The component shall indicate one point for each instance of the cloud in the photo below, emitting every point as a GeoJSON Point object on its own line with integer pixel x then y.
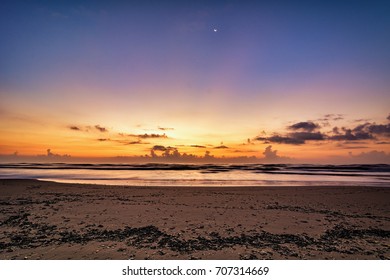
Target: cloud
{"type": "Point", "coordinates": [207, 155]}
{"type": "Point", "coordinates": [307, 136]}
{"type": "Point", "coordinates": [304, 126]}
{"type": "Point", "coordinates": [53, 155]}
{"type": "Point", "coordinates": [88, 128]}
{"type": "Point", "coordinates": [73, 127]}
{"type": "Point", "coordinates": [135, 142]}
{"type": "Point", "coordinates": [123, 142]}
{"type": "Point", "coordinates": [168, 152]}
{"type": "Point", "coordinates": [272, 155]}
{"type": "Point", "coordinates": [49, 153]}
{"type": "Point", "coordinates": [306, 131]}
{"type": "Point", "coordinates": [159, 148]}
{"type": "Point", "coordinates": [192, 146]}
{"type": "Point", "coordinates": [129, 142]}
{"type": "Point", "coordinates": [302, 132]}
{"type": "Point", "coordinates": [350, 135]}
{"type": "Point", "coordinates": [247, 142]}
{"type": "Point", "coordinates": [364, 131]}
{"type": "Point", "coordinates": [134, 139]}
{"type": "Point", "coordinates": [336, 130]}
{"type": "Point", "coordinates": [269, 153]}
{"type": "Point", "coordinates": [172, 154]}
{"type": "Point", "coordinates": [379, 129]}
{"type": "Point", "coordinates": [333, 117]}
{"type": "Point", "coordinates": [361, 120]}
{"type": "Point", "coordinates": [221, 147]}
{"type": "Point", "coordinates": [100, 128]}
{"type": "Point", "coordinates": [388, 117]}
{"type": "Point", "coordinates": [281, 140]}
{"type": "Point", "coordinates": [326, 119]}
{"type": "Point", "coordinates": [165, 128]}
{"type": "Point", "coordinates": [146, 136]}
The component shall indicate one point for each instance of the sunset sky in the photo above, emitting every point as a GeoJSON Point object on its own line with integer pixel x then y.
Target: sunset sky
{"type": "Point", "coordinates": [96, 79]}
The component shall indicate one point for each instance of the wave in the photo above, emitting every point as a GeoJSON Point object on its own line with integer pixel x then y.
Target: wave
{"type": "Point", "coordinates": [154, 174]}
{"type": "Point", "coordinates": [306, 169]}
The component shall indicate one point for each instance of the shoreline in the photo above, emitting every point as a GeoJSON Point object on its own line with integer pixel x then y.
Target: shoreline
{"type": "Point", "coordinates": [237, 187]}
{"type": "Point", "coordinates": [49, 220]}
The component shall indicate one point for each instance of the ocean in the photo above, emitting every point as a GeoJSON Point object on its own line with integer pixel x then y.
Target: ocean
{"type": "Point", "coordinates": [203, 174]}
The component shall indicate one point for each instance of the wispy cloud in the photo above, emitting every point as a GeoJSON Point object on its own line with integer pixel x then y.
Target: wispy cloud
{"type": "Point", "coordinates": [361, 120]}
{"type": "Point", "coordinates": [88, 128]}
{"type": "Point", "coordinates": [146, 136]}
{"type": "Point", "coordinates": [125, 142]}
{"type": "Point", "coordinates": [280, 140]}
{"type": "Point", "coordinates": [198, 146]}
{"type": "Point", "coordinates": [165, 128]}
{"type": "Point", "coordinates": [345, 146]}
{"type": "Point", "coordinates": [136, 142]}
{"type": "Point", "coordinates": [247, 142]}
{"type": "Point", "coordinates": [326, 119]}
{"type": "Point", "coordinates": [100, 128]}
{"type": "Point", "coordinates": [73, 127]}
{"type": "Point", "coordinates": [221, 147]}
{"type": "Point", "coordinates": [334, 117]}
{"type": "Point", "coordinates": [126, 139]}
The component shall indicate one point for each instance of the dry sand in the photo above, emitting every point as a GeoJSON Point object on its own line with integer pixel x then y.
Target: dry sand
{"type": "Point", "coordinates": [46, 220]}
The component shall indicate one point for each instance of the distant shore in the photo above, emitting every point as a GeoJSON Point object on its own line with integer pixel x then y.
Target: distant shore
{"type": "Point", "coordinates": [48, 220]}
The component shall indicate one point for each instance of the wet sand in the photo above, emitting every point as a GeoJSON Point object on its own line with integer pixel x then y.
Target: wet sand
{"type": "Point", "coordinates": [46, 220]}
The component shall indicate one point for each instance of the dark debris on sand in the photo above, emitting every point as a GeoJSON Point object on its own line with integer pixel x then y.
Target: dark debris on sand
{"type": "Point", "coordinates": [27, 234]}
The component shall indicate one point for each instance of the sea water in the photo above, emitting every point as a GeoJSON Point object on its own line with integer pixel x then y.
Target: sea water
{"type": "Point", "coordinates": [203, 174]}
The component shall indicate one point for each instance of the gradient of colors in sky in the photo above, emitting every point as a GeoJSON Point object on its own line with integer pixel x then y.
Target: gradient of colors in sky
{"type": "Point", "coordinates": [216, 78]}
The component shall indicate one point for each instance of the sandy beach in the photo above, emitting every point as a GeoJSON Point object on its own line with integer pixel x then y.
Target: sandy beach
{"type": "Point", "coordinates": [47, 220]}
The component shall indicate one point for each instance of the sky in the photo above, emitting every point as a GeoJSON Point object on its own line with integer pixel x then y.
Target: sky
{"type": "Point", "coordinates": [305, 81]}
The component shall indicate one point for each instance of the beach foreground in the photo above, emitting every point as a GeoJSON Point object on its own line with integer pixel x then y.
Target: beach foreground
{"type": "Point", "coordinates": [47, 220]}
